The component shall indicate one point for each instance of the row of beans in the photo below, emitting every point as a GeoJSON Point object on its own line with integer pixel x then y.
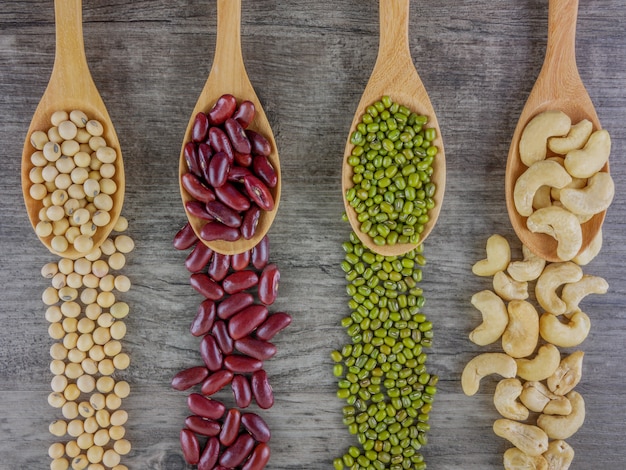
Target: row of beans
{"type": "Point", "coordinates": [381, 372]}
{"type": "Point", "coordinates": [236, 328]}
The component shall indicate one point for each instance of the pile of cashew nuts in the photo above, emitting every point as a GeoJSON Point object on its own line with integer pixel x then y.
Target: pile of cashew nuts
{"type": "Point", "coordinates": [564, 185]}
{"type": "Point", "coordinates": [535, 397]}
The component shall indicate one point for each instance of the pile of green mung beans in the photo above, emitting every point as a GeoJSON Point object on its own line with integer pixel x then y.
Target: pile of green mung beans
{"type": "Point", "coordinates": [392, 160]}
{"type": "Point", "coordinates": [382, 372]}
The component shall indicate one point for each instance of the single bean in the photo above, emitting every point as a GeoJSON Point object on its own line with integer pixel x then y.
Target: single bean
{"type": "Point", "coordinates": [244, 322]}
{"type": "Point", "coordinates": [255, 348]}
{"type": "Point", "coordinates": [196, 188]}
{"type": "Point", "coordinates": [190, 446]}
{"type": "Point", "coordinates": [200, 127]}
{"type": "Point", "coordinates": [268, 284]}
{"type": "Point", "coordinates": [218, 269]}
{"type": "Point", "coordinates": [258, 192]}
{"type": "Point", "coordinates": [245, 113]}
{"type": "Point", "coordinates": [202, 426]}
{"type": "Point", "coordinates": [190, 152]}
{"type": "Point", "coordinates": [198, 209]}
{"type": "Point", "coordinates": [243, 159]}
{"type": "Point", "coordinates": [230, 427]}
{"type": "Point", "coordinates": [224, 341]}
{"type": "Point", "coordinates": [216, 381]}
{"type": "Point", "coordinates": [237, 173]}
{"type": "Point", "coordinates": [204, 319]}
{"type": "Point", "coordinates": [240, 261]}
{"type": "Point", "coordinates": [274, 324]}
{"type": "Point", "coordinates": [264, 170]}
{"type": "Point", "coordinates": [240, 364]}
{"type": "Point", "coordinates": [261, 389]}
{"type": "Point", "coordinates": [206, 286]}
{"type": "Point", "coordinates": [211, 353]}
{"type": "Point", "coordinates": [224, 214]}
{"type": "Point", "coordinates": [210, 454]}
{"type": "Point", "coordinates": [234, 455]}
{"type": "Point", "coordinates": [256, 426]}
{"type": "Point", "coordinates": [232, 197]}
{"type": "Point", "coordinates": [241, 391]}
{"type": "Point", "coordinates": [205, 407]}
{"type": "Point", "coordinates": [223, 108]}
{"type": "Point", "coordinates": [260, 253]}
{"type": "Point", "coordinates": [218, 231]}
{"type": "Point", "coordinates": [258, 458]}
{"type": "Point", "coordinates": [185, 237]}
{"type": "Point", "coordinates": [220, 142]}
{"type": "Point", "coordinates": [233, 304]}
{"type": "Point", "coordinates": [237, 136]}
{"type": "Point", "coordinates": [260, 145]}
{"type": "Point", "coordinates": [187, 378]}
{"type": "Point", "coordinates": [198, 258]}
{"type": "Point", "coordinates": [250, 222]}
{"type": "Point", "coordinates": [240, 281]}
{"type": "Point", "coordinates": [219, 168]}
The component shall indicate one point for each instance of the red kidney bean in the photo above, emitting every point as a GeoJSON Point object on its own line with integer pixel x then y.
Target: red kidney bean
{"type": "Point", "coordinates": [232, 197]}
{"type": "Point", "coordinates": [216, 381]}
{"type": "Point", "coordinates": [204, 159]}
{"type": "Point", "coordinates": [237, 136]}
{"type": "Point", "coordinates": [210, 454]}
{"type": "Point", "coordinates": [200, 127]}
{"type": "Point", "coordinates": [245, 113]}
{"type": "Point", "coordinates": [261, 253]}
{"type": "Point", "coordinates": [240, 281]}
{"type": "Point", "coordinates": [250, 222]}
{"type": "Point", "coordinates": [204, 319]}
{"type": "Point", "coordinates": [258, 192]}
{"type": "Point", "coordinates": [185, 237]}
{"type": "Point", "coordinates": [233, 304]}
{"type": "Point", "coordinates": [220, 142]}
{"type": "Point", "coordinates": [203, 426]}
{"type": "Point", "coordinates": [198, 209]}
{"type": "Point", "coordinates": [256, 426]}
{"type": "Point", "coordinates": [218, 269]}
{"type": "Point", "coordinates": [223, 108]}
{"type": "Point", "coordinates": [230, 427]}
{"type": "Point", "coordinates": [211, 353]}
{"type": "Point", "coordinates": [224, 214]}
{"type": "Point", "coordinates": [187, 378]}
{"type": "Point", "coordinates": [234, 455]}
{"type": "Point", "coordinates": [260, 145]}
{"type": "Point", "coordinates": [275, 323]}
{"type": "Point", "coordinates": [261, 389]}
{"type": "Point", "coordinates": [219, 168]}
{"type": "Point", "coordinates": [224, 341]}
{"type": "Point", "coordinates": [264, 170]}
{"type": "Point", "coordinates": [240, 364]}
{"type": "Point", "coordinates": [240, 261]}
{"type": "Point", "coordinates": [255, 348]}
{"type": "Point", "coordinates": [206, 286]}
{"type": "Point", "coordinates": [190, 153]}
{"type": "Point", "coordinates": [268, 284]}
{"type": "Point", "coordinates": [244, 322]}
{"type": "Point", "coordinates": [190, 445]}
{"type": "Point", "coordinates": [198, 258]}
{"type": "Point", "coordinates": [196, 188]}
{"type": "Point", "coordinates": [258, 458]}
{"type": "Point", "coordinates": [218, 231]}
{"type": "Point", "coordinates": [243, 159]}
{"type": "Point", "coordinates": [241, 391]}
{"type": "Point", "coordinates": [237, 173]}
{"type": "Point", "coordinates": [205, 407]}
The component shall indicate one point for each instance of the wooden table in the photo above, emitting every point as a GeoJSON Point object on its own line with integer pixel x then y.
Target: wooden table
{"type": "Point", "coordinates": [309, 62]}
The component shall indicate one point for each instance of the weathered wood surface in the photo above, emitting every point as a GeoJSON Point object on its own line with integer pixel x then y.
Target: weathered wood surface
{"type": "Point", "coordinates": [309, 62]}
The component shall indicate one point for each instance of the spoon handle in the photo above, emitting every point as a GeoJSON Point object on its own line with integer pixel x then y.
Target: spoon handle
{"type": "Point", "coordinates": [228, 59]}
{"type": "Point", "coordinates": [393, 50]}
{"type": "Point", "coordinates": [70, 50]}
{"type": "Point", "coordinates": [560, 60]}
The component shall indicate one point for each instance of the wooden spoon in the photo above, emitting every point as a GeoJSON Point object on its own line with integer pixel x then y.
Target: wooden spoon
{"type": "Point", "coordinates": [228, 76]}
{"type": "Point", "coordinates": [394, 74]}
{"type": "Point", "coordinates": [71, 87]}
{"type": "Point", "coordinates": [558, 87]}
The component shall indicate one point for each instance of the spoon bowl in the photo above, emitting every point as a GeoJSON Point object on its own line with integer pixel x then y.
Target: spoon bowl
{"type": "Point", "coordinates": [558, 87]}
{"type": "Point", "coordinates": [228, 76]}
{"type": "Point", "coordinates": [71, 87]}
{"type": "Point", "coordinates": [394, 75]}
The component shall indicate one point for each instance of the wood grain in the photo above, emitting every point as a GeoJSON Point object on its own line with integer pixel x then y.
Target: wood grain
{"type": "Point", "coordinates": [309, 62]}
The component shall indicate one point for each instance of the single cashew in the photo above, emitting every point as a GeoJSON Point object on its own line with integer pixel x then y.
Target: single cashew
{"type": "Point", "coordinates": [533, 141]}
{"type": "Point", "coordinates": [587, 161]}
{"type": "Point", "coordinates": [542, 197]}
{"type": "Point", "coordinates": [554, 276]}
{"type": "Point", "coordinates": [505, 399]}
{"type": "Point", "coordinates": [495, 318]}
{"type": "Point", "coordinates": [574, 292]}
{"type": "Point", "coordinates": [575, 139]}
{"type": "Point", "coordinates": [562, 427]}
{"type": "Point", "coordinates": [559, 455]}
{"type": "Point", "coordinates": [508, 288]}
{"type": "Point", "coordinates": [586, 255]}
{"type": "Point", "coordinates": [498, 257]}
{"type": "Point", "coordinates": [593, 198]}
{"type": "Point", "coordinates": [543, 173]}
{"type": "Point", "coordinates": [565, 335]}
{"type": "Point", "coordinates": [542, 366]}
{"type": "Point", "coordinates": [536, 397]}
{"type": "Point", "coordinates": [529, 269]}
{"type": "Point", "coordinates": [561, 225]}
{"type": "Point", "coordinates": [515, 459]}
{"type": "Point", "coordinates": [486, 364]}
{"type": "Point", "coordinates": [530, 439]}
{"type": "Point", "coordinates": [522, 333]}
{"type": "Point", "coordinates": [567, 374]}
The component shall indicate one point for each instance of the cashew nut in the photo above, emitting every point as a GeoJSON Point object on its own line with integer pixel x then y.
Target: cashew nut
{"type": "Point", "coordinates": [536, 397]}
{"type": "Point", "coordinates": [542, 366]}
{"type": "Point", "coordinates": [529, 269]}
{"type": "Point", "coordinates": [560, 224]}
{"type": "Point", "coordinates": [522, 333]}
{"type": "Point", "coordinates": [508, 288]}
{"type": "Point", "coordinates": [593, 198]}
{"type": "Point", "coordinates": [586, 255]}
{"type": "Point", "coordinates": [486, 364]}
{"type": "Point", "coordinates": [498, 257]}
{"type": "Point", "coordinates": [534, 138]}
{"type": "Point", "coordinates": [589, 160]}
{"type": "Point", "coordinates": [515, 459]}
{"type": "Point", "coordinates": [559, 455]}
{"type": "Point", "coordinates": [543, 173]}
{"type": "Point", "coordinates": [565, 335]}
{"type": "Point", "coordinates": [574, 292]}
{"type": "Point", "coordinates": [562, 427]}
{"type": "Point", "coordinates": [495, 318]}
{"type": "Point", "coordinates": [554, 276]}
{"type": "Point", "coordinates": [505, 399]}
{"type": "Point", "coordinates": [575, 139]}
{"type": "Point", "coordinates": [531, 440]}
{"type": "Point", "coordinates": [567, 375]}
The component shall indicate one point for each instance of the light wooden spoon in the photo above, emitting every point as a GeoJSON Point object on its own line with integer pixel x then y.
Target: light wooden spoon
{"type": "Point", "coordinates": [71, 87]}
{"type": "Point", "coordinates": [228, 76]}
{"type": "Point", "coordinates": [558, 87]}
{"type": "Point", "coordinates": [394, 74]}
